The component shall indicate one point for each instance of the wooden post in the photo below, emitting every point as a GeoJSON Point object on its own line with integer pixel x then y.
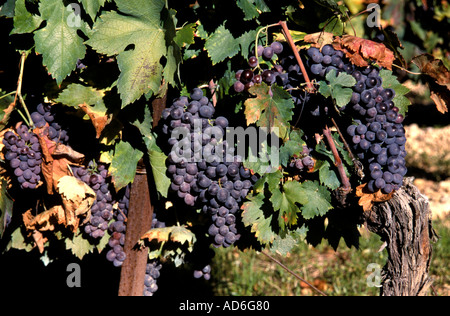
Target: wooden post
{"type": "Point", "coordinates": [404, 223]}
{"type": "Point", "coordinates": [139, 221]}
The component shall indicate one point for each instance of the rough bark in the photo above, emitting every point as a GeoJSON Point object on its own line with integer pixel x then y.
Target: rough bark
{"type": "Point", "coordinates": [404, 223]}
{"type": "Point", "coordinates": [138, 223]}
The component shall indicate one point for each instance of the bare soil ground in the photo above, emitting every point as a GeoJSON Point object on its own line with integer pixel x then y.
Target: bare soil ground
{"type": "Point", "coordinates": [428, 160]}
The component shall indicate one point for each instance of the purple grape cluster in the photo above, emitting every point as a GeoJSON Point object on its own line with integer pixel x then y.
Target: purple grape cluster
{"type": "Point", "coordinates": [96, 176]}
{"type": "Point", "coordinates": [377, 133]}
{"type": "Point", "coordinates": [246, 78]}
{"type": "Point", "coordinates": [23, 152]}
{"type": "Point", "coordinates": [303, 161]}
{"type": "Point", "coordinates": [44, 115]}
{"type": "Point", "coordinates": [152, 273]}
{"type": "Point", "coordinates": [204, 273]}
{"type": "Point", "coordinates": [203, 168]}
{"type": "Point", "coordinates": [118, 228]}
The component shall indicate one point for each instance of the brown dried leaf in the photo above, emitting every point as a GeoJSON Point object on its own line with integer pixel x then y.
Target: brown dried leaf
{"type": "Point", "coordinates": [44, 221]}
{"type": "Point", "coordinates": [360, 51]}
{"type": "Point", "coordinates": [160, 234]}
{"type": "Point", "coordinates": [319, 39]}
{"type": "Point", "coordinates": [439, 80]}
{"type": "Point", "coordinates": [434, 68]}
{"type": "Point", "coordinates": [367, 199]}
{"type": "Point", "coordinates": [56, 159]}
{"type": "Point", "coordinates": [39, 240]}
{"type": "Point", "coordinates": [77, 198]}
{"type": "Point", "coordinates": [98, 119]}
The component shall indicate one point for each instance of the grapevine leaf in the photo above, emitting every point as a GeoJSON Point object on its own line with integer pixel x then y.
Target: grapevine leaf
{"type": "Point", "coordinates": [182, 234]}
{"type": "Point", "coordinates": [342, 79]}
{"type": "Point", "coordinates": [360, 50]}
{"type": "Point", "coordinates": [158, 163]}
{"type": "Point", "coordinates": [157, 157]}
{"type": "Point", "coordinates": [173, 233]}
{"type": "Point", "coordinates": [19, 242]}
{"type": "Point", "coordinates": [285, 202]}
{"type": "Point", "coordinates": [272, 179]}
{"type": "Point", "coordinates": [221, 45]}
{"type": "Point", "coordinates": [367, 198]}
{"type": "Point", "coordinates": [315, 199]}
{"type": "Point", "coordinates": [76, 94]}
{"type": "Point", "coordinates": [256, 215]}
{"type": "Point", "coordinates": [185, 35]}
{"type": "Point", "coordinates": [92, 7]}
{"type": "Point", "coordinates": [124, 164]}
{"type": "Point", "coordinates": [438, 80]}
{"type": "Point", "coordinates": [6, 107]}
{"type": "Point", "coordinates": [249, 9]}
{"type": "Point", "coordinates": [342, 96]}
{"type": "Point", "coordinates": [271, 108]}
{"type": "Point", "coordinates": [114, 34]}
{"type": "Point", "coordinates": [7, 9]}
{"type": "Point", "coordinates": [58, 42]}
{"type": "Point", "coordinates": [293, 146]}
{"type": "Point", "coordinates": [24, 21]}
{"type": "Point", "coordinates": [6, 205]}
{"type": "Point", "coordinates": [89, 100]}
{"type": "Point", "coordinates": [328, 177]}
{"type": "Point", "coordinates": [245, 42]}
{"type": "Point", "coordinates": [79, 246]}
{"type": "Point", "coordinates": [400, 100]}
{"type": "Point", "coordinates": [337, 87]}
{"type": "Point", "coordinates": [284, 245]}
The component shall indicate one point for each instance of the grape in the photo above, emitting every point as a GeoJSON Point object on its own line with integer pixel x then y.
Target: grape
{"type": "Point", "coordinates": [277, 47]}
{"type": "Point", "coordinates": [238, 86]}
{"type": "Point", "coordinates": [253, 61]}
{"type": "Point", "coordinates": [268, 53]}
{"type": "Point", "coordinates": [246, 76]}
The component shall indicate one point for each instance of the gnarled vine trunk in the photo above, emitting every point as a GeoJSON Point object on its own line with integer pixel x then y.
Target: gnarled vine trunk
{"type": "Point", "coordinates": [404, 223]}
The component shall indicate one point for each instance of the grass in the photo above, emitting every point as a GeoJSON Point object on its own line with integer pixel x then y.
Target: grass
{"type": "Point", "coordinates": [344, 272]}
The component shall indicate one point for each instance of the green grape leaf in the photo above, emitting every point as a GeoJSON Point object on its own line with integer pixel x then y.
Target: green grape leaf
{"type": "Point", "coordinates": [130, 37]}
{"type": "Point", "coordinates": [7, 9]}
{"type": "Point", "coordinates": [337, 87]}
{"type": "Point", "coordinates": [293, 146]}
{"type": "Point", "coordinates": [400, 100]}
{"type": "Point", "coordinates": [124, 164]}
{"type": "Point", "coordinates": [258, 216]}
{"type": "Point", "coordinates": [272, 179]}
{"type": "Point", "coordinates": [76, 94]}
{"type": "Point", "coordinates": [245, 42]}
{"type": "Point", "coordinates": [315, 199]}
{"type": "Point", "coordinates": [221, 45]}
{"type": "Point", "coordinates": [92, 7]}
{"type": "Point", "coordinates": [185, 35]}
{"type": "Point", "coordinates": [328, 177]}
{"type": "Point", "coordinates": [24, 21]}
{"type": "Point", "coordinates": [284, 245]}
{"type": "Point", "coordinates": [79, 246]}
{"type": "Point", "coordinates": [158, 164]}
{"type": "Point", "coordinates": [249, 9]}
{"type": "Point", "coordinates": [285, 201]}
{"type": "Point", "coordinates": [271, 108]}
{"type": "Point", "coordinates": [58, 42]}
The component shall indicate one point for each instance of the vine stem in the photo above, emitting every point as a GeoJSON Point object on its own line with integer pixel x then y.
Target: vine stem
{"type": "Point", "coordinates": [287, 35]}
{"type": "Point", "coordinates": [18, 94]}
{"type": "Point", "coordinates": [346, 187]}
{"type": "Point", "coordinates": [358, 166]}
{"type": "Point", "coordinates": [293, 273]}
